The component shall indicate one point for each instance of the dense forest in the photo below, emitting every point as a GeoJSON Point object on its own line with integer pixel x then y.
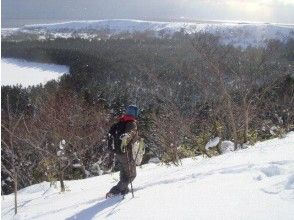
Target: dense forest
{"type": "Point", "coordinates": [189, 88]}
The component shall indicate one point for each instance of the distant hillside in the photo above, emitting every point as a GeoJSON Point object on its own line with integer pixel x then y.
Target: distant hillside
{"type": "Point", "coordinates": [238, 34]}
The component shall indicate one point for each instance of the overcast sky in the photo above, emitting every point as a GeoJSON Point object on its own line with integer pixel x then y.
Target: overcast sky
{"type": "Point", "coordinates": [34, 11]}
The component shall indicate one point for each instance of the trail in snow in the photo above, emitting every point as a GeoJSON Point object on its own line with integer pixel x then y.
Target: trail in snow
{"type": "Point", "coordinates": [255, 183]}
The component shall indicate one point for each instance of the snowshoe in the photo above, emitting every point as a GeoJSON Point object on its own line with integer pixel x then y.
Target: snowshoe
{"type": "Point", "coordinates": [110, 195]}
{"type": "Point", "coordinates": [123, 193]}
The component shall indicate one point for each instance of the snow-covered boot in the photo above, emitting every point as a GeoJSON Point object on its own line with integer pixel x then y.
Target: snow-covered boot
{"type": "Point", "coordinates": [110, 195]}
{"type": "Point", "coordinates": [125, 191]}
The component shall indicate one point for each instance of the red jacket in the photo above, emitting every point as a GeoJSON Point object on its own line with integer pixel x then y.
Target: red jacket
{"type": "Point", "coordinates": [127, 118]}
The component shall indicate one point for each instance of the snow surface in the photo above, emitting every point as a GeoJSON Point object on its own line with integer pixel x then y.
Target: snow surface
{"type": "Point", "coordinates": [16, 71]}
{"type": "Point", "coordinates": [239, 34]}
{"type": "Point", "coordinates": [255, 183]}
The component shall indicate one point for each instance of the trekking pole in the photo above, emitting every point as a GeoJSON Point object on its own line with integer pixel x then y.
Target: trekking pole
{"type": "Point", "coordinates": [130, 169]}
{"type": "Point", "coordinates": [130, 173]}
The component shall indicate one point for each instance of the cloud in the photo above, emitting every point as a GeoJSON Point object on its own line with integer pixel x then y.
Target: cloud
{"type": "Point", "coordinates": [52, 10]}
{"type": "Point", "coordinates": [282, 2]}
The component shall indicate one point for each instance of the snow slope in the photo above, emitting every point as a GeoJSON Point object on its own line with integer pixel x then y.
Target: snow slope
{"type": "Point", "coordinates": [16, 71]}
{"type": "Point", "coordinates": [239, 34]}
{"type": "Point", "coordinates": [255, 183]}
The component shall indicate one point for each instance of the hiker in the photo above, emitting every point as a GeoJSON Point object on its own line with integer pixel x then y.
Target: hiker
{"type": "Point", "coordinates": [121, 138]}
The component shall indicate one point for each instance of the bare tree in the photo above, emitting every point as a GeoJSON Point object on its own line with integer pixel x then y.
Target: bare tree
{"type": "Point", "coordinates": [74, 131]}
{"type": "Point", "coordinates": [9, 155]}
{"type": "Point", "coordinates": [236, 78]}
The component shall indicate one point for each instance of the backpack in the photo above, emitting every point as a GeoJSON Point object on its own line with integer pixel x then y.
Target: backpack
{"type": "Point", "coordinates": [114, 142]}
{"type": "Point", "coordinates": [114, 134]}
{"type": "Point", "coordinates": [138, 151]}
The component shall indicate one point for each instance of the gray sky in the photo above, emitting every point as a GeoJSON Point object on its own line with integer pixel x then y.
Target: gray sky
{"type": "Point", "coordinates": [15, 12]}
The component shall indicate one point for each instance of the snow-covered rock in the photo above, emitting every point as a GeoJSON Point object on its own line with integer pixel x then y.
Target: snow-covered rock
{"type": "Point", "coordinates": [226, 146]}
{"type": "Point", "coordinates": [154, 160]}
{"type": "Point", "coordinates": [254, 183]}
{"type": "Point", "coordinates": [212, 143]}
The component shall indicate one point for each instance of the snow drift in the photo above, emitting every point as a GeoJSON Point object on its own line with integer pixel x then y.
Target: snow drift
{"type": "Point", "coordinates": [255, 183]}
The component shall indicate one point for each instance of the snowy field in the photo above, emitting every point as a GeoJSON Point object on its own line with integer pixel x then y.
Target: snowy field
{"type": "Point", "coordinates": [16, 71]}
{"type": "Point", "coordinates": [239, 34]}
{"type": "Point", "coordinates": [255, 183]}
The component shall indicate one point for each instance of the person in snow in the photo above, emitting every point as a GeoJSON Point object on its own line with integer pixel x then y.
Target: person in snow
{"type": "Point", "coordinates": [121, 139]}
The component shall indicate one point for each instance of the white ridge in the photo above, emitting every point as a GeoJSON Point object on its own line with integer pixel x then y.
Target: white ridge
{"type": "Point", "coordinates": [237, 33]}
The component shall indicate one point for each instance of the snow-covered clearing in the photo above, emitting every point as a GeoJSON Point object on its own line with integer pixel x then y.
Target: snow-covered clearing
{"type": "Point", "coordinates": [255, 183]}
{"type": "Point", "coordinates": [16, 71]}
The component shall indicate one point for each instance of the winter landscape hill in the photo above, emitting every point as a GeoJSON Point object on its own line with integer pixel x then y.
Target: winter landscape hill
{"type": "Point", "coordinates": [254, 183]}
{"type": "Point", "coordinates": [236, 33]}
{"type": "Point", "coordinates": [195, 96]}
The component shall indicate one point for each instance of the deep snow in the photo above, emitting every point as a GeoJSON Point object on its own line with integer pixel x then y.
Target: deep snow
{"type": "Point", "coordinates": [255, 183]}
{"type": "Point", "coordinates": [17, 71]}
{"type": "Point", "coordinates": [239, 34]}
